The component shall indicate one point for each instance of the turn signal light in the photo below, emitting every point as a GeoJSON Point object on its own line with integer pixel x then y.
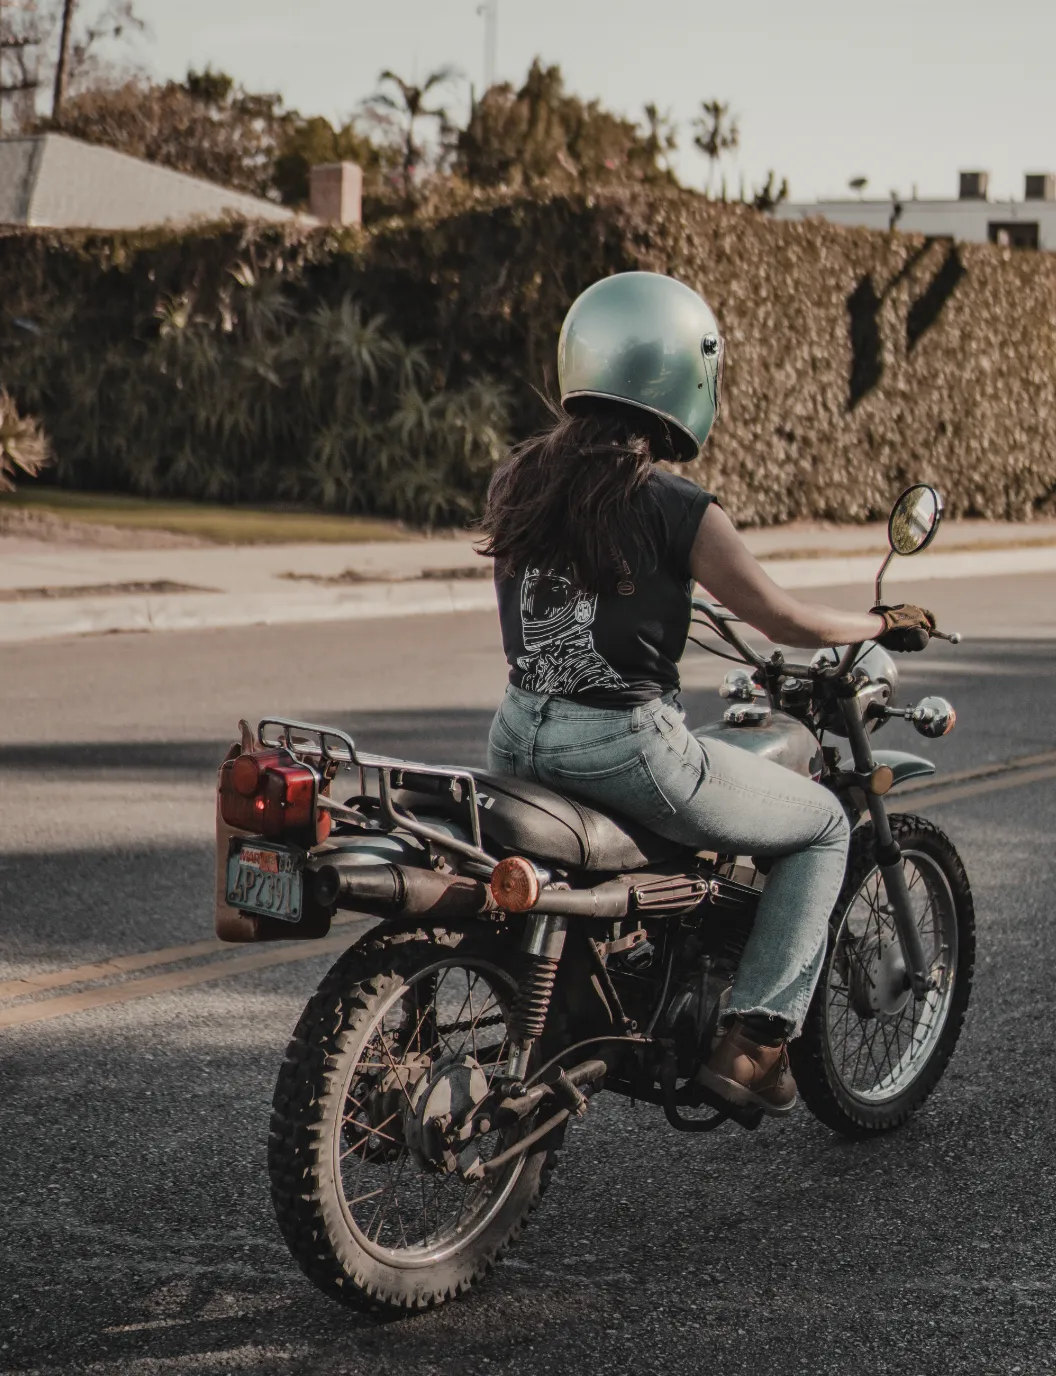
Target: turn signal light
{"type": "Point", "coordinates": [933, 717]}
{"type": "Point", "coordinates": [281, 794]}
{"type": "Point", "coordinates": [881, 780]}
{"type": "Point", "coordinates": [515, 884]}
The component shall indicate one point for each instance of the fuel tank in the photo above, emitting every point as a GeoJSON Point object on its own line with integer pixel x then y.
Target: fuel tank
{"type": "Point", "coordinates": [779, 738]}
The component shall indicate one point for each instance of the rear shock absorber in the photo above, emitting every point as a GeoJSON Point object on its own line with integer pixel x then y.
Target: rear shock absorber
{"type": "Point", "coordinates": [544, 940]}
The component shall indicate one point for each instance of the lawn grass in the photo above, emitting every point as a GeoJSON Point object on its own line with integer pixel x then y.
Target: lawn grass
{"type": "Point", "coordinates": [223, 525]}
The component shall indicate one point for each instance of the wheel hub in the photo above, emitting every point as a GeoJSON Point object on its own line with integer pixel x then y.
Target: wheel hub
{"type": "Point", "coordinates": [879, 986]}
{"type": "Point", "coordinates": [382, 1098]}
{"type": "Point", "coordinates": [438, 1120]}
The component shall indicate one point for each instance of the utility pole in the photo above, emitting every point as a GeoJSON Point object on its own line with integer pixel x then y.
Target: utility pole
{"type": "Point", "coordinates": [490, 10]}
{"type": "Point", "coordinates": [64, 57]}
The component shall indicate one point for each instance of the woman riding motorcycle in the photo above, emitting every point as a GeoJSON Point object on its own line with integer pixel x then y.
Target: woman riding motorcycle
{"type": "Point", "coordinates": [596, 551]}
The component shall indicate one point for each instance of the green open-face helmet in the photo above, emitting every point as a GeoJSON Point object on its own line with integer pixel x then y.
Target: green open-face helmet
{"type": "Point", "coordinates": [645, 340]}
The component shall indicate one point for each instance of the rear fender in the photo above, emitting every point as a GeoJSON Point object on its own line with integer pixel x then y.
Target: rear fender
{"type": "Point", "coordinates": [391, 848]}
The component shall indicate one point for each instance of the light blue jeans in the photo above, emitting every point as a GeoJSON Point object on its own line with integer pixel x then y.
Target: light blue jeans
{"type": "Point", "coordinates": [643, 763]}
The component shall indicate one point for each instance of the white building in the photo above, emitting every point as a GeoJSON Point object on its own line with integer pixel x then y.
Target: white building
{"type": "Point", "coordinates": [52, 181]}
{"type": "Point", "coordinates": [1030, 223]}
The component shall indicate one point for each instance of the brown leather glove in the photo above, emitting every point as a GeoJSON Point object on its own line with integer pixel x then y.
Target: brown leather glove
{"type": "Point", "coordinates": [905, 627]}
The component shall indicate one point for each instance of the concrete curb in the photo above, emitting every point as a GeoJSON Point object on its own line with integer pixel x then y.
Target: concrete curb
{"type": "Point", "coordinates": [307, 602]}
{"type": "Point", "coordinates": [25, 621]}
{"type": "Point", "coordinates": [929, 566]}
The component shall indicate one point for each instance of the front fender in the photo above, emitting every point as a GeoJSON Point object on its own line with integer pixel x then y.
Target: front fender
{"type": "Point", "coordinates": [903, 765]}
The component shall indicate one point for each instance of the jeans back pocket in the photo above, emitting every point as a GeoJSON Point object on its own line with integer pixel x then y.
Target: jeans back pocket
{"type": "Point", "coordinates": [628, 788]}
{"type": "Point", "coordinates": [500, 760]}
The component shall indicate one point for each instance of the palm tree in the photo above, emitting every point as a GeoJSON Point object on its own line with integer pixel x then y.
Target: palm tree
{"type": "Point", "coordinates": [22, 444]}
{"type": "Point", "coordinates": [716, 134]}
{"type": "Point", "coordinates": [661, 139]}
{"type": "Point", "coordinates": [405, 106]}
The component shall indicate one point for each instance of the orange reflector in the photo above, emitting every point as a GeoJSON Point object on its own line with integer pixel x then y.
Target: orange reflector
{"type": "Point", "coordinates": [881, 779]}
{"type": "Point", "coordinates": [515, 884]}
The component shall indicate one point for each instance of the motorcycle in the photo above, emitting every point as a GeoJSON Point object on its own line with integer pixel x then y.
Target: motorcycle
{"type": "Point", "coordinates": [530, 951]}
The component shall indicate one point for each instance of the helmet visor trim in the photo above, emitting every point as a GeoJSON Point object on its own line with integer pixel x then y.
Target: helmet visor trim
{"type": "Point", "coordinates": [675, 424]}
{"type": "Point", "coordinates": [713, 347]}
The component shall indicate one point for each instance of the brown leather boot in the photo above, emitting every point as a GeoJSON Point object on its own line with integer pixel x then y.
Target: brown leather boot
{"type": "Point", "coordinates": [750, 1075]}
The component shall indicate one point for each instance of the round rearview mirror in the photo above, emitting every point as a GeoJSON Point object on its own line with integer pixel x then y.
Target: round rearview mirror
{"type": "Point", "coordinates": [914, 519]}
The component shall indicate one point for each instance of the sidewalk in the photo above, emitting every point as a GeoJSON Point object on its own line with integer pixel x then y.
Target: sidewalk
{"type": "Point", "coordinates": [49, 590]}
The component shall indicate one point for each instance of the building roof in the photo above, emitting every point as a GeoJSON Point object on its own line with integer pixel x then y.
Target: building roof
{"type": "Point", "coordinates": [968, 220]}
{"type": "Point", "coordinates": [62, 183]}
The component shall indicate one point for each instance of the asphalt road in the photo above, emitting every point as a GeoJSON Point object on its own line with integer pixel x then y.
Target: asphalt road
{"type": "Point", "coordinates": [137, 1233]}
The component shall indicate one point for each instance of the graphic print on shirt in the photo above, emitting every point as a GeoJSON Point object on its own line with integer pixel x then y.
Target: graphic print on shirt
{"type": "Point", "coordinates": [555, 624]}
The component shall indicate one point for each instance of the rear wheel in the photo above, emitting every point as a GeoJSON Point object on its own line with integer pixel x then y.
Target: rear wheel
{"type": "Point", "coordinates": [871, 1051]}
{"type": "Point", "coordinates": [380, 1207]}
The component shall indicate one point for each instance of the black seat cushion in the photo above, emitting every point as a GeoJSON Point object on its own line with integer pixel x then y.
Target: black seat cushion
{"type": "Point", "coordinates": [543, 825]}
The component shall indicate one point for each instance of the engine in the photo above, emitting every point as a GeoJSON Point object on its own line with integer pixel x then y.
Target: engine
{"type": "Point", "coordinates": [703, 951]}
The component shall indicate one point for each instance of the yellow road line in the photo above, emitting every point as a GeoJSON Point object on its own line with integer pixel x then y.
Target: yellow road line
{"type": "Point", "coordinates": [105, 969]}
{"type": "Point", "coordinates": [983, 771]}
{"type": "Point", "coordinates": [256, 959]}
{"type": "Point", "coordinates": [123, 965]}
{"type": "Point", "coordinates": [1020, 778]}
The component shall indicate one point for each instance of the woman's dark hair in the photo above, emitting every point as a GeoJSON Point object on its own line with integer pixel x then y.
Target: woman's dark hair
{"type": "Point", "coordinates": [572, 497]}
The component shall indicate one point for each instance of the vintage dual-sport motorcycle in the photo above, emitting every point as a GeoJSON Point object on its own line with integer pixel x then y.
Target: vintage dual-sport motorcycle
{"type": "Point", "coordinates": [531, 951]}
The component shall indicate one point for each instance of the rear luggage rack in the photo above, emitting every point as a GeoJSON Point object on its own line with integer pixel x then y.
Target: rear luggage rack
{"type": "Point", "coordinates": [326, 745]}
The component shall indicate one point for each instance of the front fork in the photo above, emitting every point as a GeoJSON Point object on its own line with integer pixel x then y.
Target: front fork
{"type": "Point", "coordinates": [888, 852]}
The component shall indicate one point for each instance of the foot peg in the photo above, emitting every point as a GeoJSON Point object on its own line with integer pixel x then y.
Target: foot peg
{"type": "Point", "coordinates": [697, 1095]}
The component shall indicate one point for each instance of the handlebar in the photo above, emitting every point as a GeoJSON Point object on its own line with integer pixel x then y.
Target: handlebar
{"type": "Point", "coordinates": [722, 621]}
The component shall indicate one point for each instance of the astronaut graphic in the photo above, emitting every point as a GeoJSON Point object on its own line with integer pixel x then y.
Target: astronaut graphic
{"type": "Point", "coordinates": [555, 621]}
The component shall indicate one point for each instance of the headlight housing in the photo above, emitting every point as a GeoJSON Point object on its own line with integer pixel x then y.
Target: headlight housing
{"type": "Point", "coordinates": [877, 673]}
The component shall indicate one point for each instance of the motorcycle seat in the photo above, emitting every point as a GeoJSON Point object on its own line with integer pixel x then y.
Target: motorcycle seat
{"type": "Point", "coordinates": [528, 819]}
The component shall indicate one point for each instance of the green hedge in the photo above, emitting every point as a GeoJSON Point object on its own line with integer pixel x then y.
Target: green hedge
{"type": "Point", "coordinates": [213, 369]}
{"type": "Point", "coordinates": [856, 361]}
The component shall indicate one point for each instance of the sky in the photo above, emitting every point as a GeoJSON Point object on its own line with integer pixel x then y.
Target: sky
{"type": "Point", "coordinates": [903, 92]}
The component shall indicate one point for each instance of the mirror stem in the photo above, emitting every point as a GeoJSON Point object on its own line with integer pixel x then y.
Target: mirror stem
{"type": "Point", "coordinates": [880, 578]}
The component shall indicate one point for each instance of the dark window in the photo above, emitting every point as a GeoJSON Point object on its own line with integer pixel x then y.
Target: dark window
{"type": "Point", "coordinates": [1014, 234]}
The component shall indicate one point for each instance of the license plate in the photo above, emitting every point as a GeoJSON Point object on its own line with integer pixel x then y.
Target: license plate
{"type": "Point", "coordinates": [266, 880]}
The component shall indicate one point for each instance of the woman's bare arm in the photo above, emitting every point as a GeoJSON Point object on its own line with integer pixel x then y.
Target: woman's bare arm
{"type": "Point", "coordinates": [723, 564]}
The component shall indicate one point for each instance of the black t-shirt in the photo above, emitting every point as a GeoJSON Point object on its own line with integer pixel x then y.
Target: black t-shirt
{"type": "Point", "coordinates": [613, 649]}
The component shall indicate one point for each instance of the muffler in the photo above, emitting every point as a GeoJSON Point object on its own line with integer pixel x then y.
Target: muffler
{"type": "Point", "coordinates": [385, 890]}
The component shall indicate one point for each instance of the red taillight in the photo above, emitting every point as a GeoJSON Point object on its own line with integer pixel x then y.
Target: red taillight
{"type": "Point", "coordinates": [281, 799]}
{"type": "Point", "coordinates": [245, 774]}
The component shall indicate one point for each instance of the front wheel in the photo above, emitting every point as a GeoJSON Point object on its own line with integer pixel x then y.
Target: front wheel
{"type": "Point", "coordinates": [871, 1052]}
{"type": "Point", "coordinates": [380, 1207]}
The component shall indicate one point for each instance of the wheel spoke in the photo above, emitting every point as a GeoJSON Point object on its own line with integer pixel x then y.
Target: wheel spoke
{"type": "Point", "coordinates": [399, 1078]}
{"type": "Point", "coordinates": [877, 1055]}
{"type": "Point", "coordinates": [397, 1194]}
{"type": "Point", "coordinates": [373, 1132]}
